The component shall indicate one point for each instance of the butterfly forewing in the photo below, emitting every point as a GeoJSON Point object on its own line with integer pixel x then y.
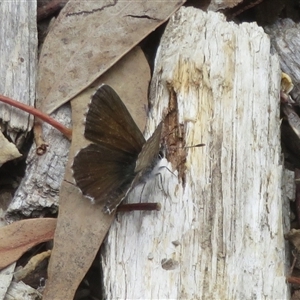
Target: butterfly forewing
{"type": "Point", "coordinates": [109, 123]}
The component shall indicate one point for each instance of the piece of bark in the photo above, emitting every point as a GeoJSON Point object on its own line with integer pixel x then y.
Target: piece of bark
{"type": "Point", "coordinates": [18, 40]}
{"type": "Point", "coordinates": [288, 194]}
{"type": "Point", "coordinates": [38, 192]}
{"type": "Point", "coordinates": [285, 40]}
{"type": "Point", "coordinates": [219, 236]}
{"type": "Point", "coordinates": [6, 274]}
{"type": "Point", "coordinates": [216, 5]}
{"type": "Point", "coordinates": [20, 290]}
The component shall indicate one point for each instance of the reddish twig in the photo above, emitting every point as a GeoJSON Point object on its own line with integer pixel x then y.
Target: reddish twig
{"type": "Point", "coordinates": [292, 279]}
{"type": "Point", "coordinates": [139, 206]}
{"type": "Point", "coordinates": [37, 113]}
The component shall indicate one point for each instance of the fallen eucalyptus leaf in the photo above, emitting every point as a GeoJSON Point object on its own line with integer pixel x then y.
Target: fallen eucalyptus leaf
{"type": "Point", "coordinates": [18, 237]}
{"type": "Point", "coordinates": [87, 38]}
{"type": "Point", "coordinates": [80, 222]}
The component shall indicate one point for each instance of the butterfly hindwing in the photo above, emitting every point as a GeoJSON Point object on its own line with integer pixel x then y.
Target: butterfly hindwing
{"type": "Point", "coordinates": [103, 174]}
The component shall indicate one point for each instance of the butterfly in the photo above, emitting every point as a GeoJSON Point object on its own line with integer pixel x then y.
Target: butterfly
{"type": "Point", "coordinates": [119, 157]}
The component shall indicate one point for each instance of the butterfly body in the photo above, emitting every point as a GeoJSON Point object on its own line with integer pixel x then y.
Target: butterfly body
{"type": "Point", "coordinates": [119, 157]}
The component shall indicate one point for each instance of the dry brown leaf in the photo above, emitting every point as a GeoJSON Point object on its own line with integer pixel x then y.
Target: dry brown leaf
{"type": "Point", "coordinates": [89, 37]}
{"type": "Point", "coordinates": [18, 237]}
{"type": "Point", "coordinates": [82, 225]}
{"type": "Point", "coordinates": [32, 264]}
{"type": "Point", "coordinates": [8, 150]}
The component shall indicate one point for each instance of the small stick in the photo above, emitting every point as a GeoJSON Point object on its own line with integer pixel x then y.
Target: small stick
{"type": "Point", "coordinates": [292, 279]}
{"type": "Point", "coordinates": [41, 145]}
{"type": "Point", "coordinates": [139, 206]}
{"type": "Point", "coordinates": [37, 113]}
{"type": "Point", "coordinates": [293, 264]}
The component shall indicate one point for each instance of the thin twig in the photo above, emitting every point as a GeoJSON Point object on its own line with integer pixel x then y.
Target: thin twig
{"type": "Point", "coordinates": [139, 206]}
{"type": "Point", "coordinates": [37, 113]}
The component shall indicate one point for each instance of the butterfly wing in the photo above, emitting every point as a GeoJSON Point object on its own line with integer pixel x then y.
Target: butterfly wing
{"type": "Point", "coordinates": [103, 174]}
{"type": "Point", "coordinates": [143, 165]}
{"type": "Point", "coordinates": [149, 152]}
{"type": "Point", "coordinates": [109, 123]}
{"type": "Point", "coordinates": [104, 170]}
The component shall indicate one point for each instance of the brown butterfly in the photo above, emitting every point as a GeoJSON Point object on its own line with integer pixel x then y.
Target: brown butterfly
{"type": "Point", "coordinates": [119, 157]}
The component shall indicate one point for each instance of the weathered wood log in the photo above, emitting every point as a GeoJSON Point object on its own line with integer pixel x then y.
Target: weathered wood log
{"type": "Point", "coordinates": [18, 40]}
{"type": "Point", "coordinates": [38, 191]}
{"type": "Point", "coordinates": [219, 234]}
{"type": "Point", "coordinates": [18, 44]}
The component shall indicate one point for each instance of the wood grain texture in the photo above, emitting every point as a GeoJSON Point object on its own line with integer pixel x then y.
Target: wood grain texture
{"type": "Point", "coordinates": [221, 235]}
{"type": "Point", "coordinates": [18, 40]}
{"type": "Point", "coordinates": [39, 188]}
